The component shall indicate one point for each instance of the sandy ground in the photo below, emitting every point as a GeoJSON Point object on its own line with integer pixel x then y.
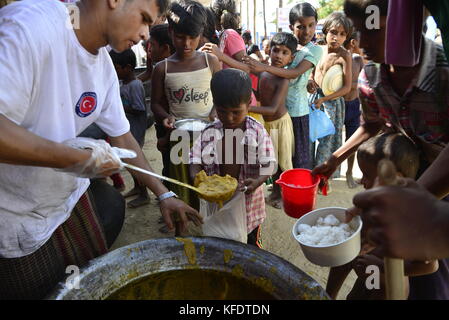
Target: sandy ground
{"type": "Point", "coordinates": [142, 223]}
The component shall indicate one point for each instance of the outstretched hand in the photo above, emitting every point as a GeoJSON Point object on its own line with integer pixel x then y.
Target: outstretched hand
{"type": "Point", "coordinates": [404, 221]}
{"type": "Point", "coordinates": [254, 65]}
{"type": "Point", "coordinates": [212, 49]}
{"type": "Point", "coordinates": [312, 86]}
{"type": "Point", "coordinates": [174, 210]}
{"type": "Point", "coordinates": [326, 170]}
{"type": "Point", "coordinates": [318, 103]}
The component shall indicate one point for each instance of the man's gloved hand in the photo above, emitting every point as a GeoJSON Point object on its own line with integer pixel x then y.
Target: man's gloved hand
{"type": "Point", "coordinates": [103, 162]}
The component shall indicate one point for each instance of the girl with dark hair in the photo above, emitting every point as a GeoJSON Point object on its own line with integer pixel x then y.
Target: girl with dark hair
{"type": "Point", "coordinates": [225, 11]}
{"type": "Point", "coordinates": [230, 20]}
{"type": "Point", "coordinates": [210, 33]}
{"type": "Point", "coordinates": [336, 63]}
{"type": "Point", "coordinates": [231, 49]}
{"type": "Point", "coordinates": [231, 44]}
{"type": "Point", "coordinates": [181, 83]}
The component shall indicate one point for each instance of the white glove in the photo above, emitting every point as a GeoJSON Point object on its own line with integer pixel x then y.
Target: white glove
{"type": "Point", "coordinates": [104, 159]}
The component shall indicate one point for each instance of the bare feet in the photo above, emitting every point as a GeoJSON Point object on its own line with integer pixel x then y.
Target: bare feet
{"type": "Point", "coordinates": [138, 202]}
{"type": "Point", "coordinates": [350, 181]}
{"type": "Point", "coordinates": [132, 193]}
{"type": "Point", "coordinates": [120, 187]}
{"type": "Point", "coordinates": [274, 201]}
{"type": "Point", "coordinates": [164, 229]}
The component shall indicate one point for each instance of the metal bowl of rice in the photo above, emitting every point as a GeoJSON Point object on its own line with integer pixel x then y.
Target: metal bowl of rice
{"type": "Point", "coordinates": [326, 240]}
{"type": "Point", "coordinates": [191, 125]}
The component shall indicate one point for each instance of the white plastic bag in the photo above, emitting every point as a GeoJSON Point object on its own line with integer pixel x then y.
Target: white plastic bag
{"type": "Point", "coordinates": [228, 222]}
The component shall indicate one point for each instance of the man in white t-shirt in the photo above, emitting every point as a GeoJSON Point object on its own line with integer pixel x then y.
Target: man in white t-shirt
{"type": "Point", "coordinates": [55, 81]}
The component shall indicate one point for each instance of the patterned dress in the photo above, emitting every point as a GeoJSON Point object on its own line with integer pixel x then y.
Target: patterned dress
{"type": "Point", "coordinates": [335, 109]}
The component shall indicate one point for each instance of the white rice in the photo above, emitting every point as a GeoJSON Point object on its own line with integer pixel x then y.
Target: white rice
{"type": "Point", "coordinates": [326, 232]}
{"type": "Point", "coordinates": [193, 126]}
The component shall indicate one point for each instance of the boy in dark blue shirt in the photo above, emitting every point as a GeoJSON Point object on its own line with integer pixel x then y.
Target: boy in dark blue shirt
{"type": "Point", "coordinates": [132, 93]}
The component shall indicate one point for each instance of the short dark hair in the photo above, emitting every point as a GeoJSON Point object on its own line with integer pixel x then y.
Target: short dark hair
{"type": "Point", "coordinates": [338, 19]}
{"type": "Point", "coordinates": [253, 49]}
{"type": "Point", "coordinates": [160, 33]}
{"type": "Point", "coordinates": [304, 9]}
{"type": "Point", "coordinates": [210, 27]}
{"type": "Point", "coordinates": [218, 6]}
{"type": "Point", "coordinates": [187, 17]}
{"type": "Point", "coordinates": [163, 6]}
{"type": "Point", "coordinates": [125, 58]}
{"type": "Point", "coordinates": [230, 21]}
{"type": "Point", "coordinates": [285, 39]}
{"type": "Point", "coordinates": [357, 8]}
{"type": "Point", "coordinates": [395, 147]}
{"type": "Point", "coordinates": [247, 36]}
{"type": "Point", "coordinates": [226, 10]}
{"type": "Point", "coordinates": [354, 36]}
{"type": "Point", "coordinates": [230, 88]}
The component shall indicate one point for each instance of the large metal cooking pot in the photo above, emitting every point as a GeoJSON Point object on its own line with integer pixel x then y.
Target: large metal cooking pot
{"type": "Point", "coordinates": [128, 265]}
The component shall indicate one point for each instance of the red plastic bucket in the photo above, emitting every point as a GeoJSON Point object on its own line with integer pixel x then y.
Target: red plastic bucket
{"type": "Point", "coordinates": [299, 190]}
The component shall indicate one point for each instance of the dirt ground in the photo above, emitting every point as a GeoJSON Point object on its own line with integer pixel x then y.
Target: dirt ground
{"type": "Point", "coordinates": [142, 223]}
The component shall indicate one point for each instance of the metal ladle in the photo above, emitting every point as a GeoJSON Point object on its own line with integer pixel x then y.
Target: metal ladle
{"type": "Point", "coordinates": [155, 175]}
{"type": "Point", "coordinates": [185, 185]}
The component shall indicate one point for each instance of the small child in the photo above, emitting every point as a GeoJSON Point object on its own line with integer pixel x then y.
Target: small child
{"type": "Point", "coordinates": [160, 48]}
{"type": "Point", "coordinates": [352, 102]}
{"type": "Point", "coordinates": [249, 158]}
{"type": "Point", "coordinates": [266, 51]}
{"type": "Point", "coordinates": [160, 43]}
{"type": "Point", "coordinates": [405, 156]}
{"type": "Point", "coordinates": [303, 21]}
{"type": "Point", "coordinates": [252, 49]}
{"type": "Point", "coordinates": [337, 28]}
{"type": "Point", "coordinates": [133, 99]}
{"type": "Point", "coordinates": [273, 91]}
{"type": "Point", "coordinates": [181, 83]}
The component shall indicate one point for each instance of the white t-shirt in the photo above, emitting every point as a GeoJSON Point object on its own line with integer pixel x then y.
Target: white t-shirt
{"type": "Point", "coordinates": [51, 86]}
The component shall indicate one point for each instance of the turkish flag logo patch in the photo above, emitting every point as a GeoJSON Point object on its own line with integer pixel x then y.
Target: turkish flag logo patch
{"type": "Point", "coordinates": [86, 104]}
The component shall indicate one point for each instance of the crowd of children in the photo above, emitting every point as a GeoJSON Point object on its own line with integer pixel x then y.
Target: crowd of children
{"type": "Point", "coordinates": [266, 93]}
{"type": "Point", "coordinates": [267, 96]}
{"type": "Point", "coordinates": [270, 93]}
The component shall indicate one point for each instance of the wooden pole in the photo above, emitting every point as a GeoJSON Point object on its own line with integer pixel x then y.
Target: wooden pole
{"type": "Point", "coordinates": [394, 268]}
{"type": "Point", "coordinates": [255, 17]}
{"type": "Point", "coordinates": [264, 19]}
{"type": "Point", "coordinates": [247, 15]}
{"type": "Point", "coordinates": [280, 6]}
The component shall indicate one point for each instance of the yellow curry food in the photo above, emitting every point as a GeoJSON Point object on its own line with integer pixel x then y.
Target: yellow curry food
{"type": "Point", "coordinates": [215, 188]}
{"type": "Point", "coordinates": [193, 285]}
